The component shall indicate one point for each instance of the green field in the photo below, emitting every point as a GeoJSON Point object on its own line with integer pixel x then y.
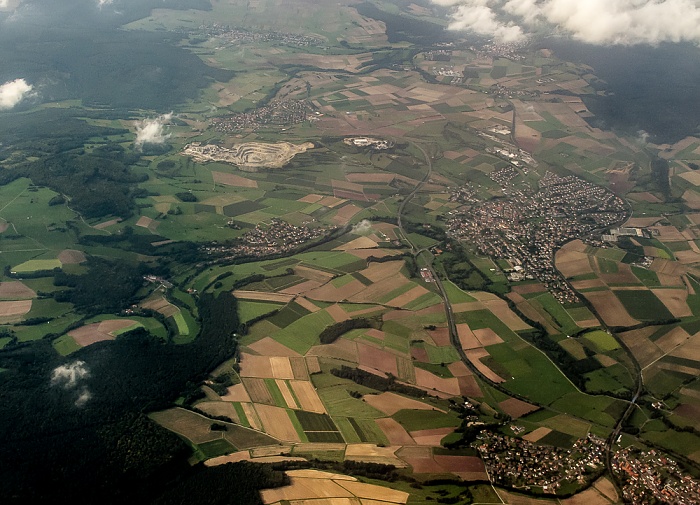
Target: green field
{"type": "Point", "coordinates": [602, 340]}
{"type": "Point", "coordinates": [36, 265]}
{"type": "Point", "coordinates": [643, 305]}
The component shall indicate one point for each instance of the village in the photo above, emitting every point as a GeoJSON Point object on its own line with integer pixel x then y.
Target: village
{"type": "Point", "coordinates": [517, 463]}
{"type": "Point", "coordinates": [277, 113]}
{"type": "Point", "coordinates": [526, 226]}
{"type": "Point", "coordinates": [275, 237]}
{"type": "Point", "coordinates": [234, 35]}
{"type": "Point", "coordinates": [651, 477]}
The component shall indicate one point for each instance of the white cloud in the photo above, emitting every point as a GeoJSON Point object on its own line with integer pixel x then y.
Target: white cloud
{"type": "Point", "coordinates": [602, 22]}
{"type": "Point", "coordinates": [362, 228]}
{"type": "Point", "coordinates": [83, 398]}
{"type": "Point", "coordinates": [69, 375]}
{"type": "Point", "coordinates": [152, 131]}
{"type": "Point", "coordinates": [102, 3]}
{"type": "Point", "coordinates": [13, 92]}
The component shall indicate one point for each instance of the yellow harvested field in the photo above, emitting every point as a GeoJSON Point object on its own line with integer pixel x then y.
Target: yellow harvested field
{"type": "Point", "coordinates": [307, 396]}
{"type": "Point", "coordinates": [370, 453]}
{"type": "Point", "coordinates": [331, 201]}
{"type": "Point", "coordinates": [312, 273]}
{"type": "Point", "coordinates": [276, 423]}
{"type": "Point", "coordinates": [236, 393]}
{"type": "Point", "coordinates": [690, 349]}
{"type": "Point", "coordinates": [537, 434]}
{"type": "Point", "coordinates": [501, 310]}
{"type": "Point", "coordinates": [672, 339]}
{"type": "Point", "coordinates": [89, 334]}
{"type": "Point", "coordinates": [391, 403]}
{"type": "Point", "coordinates": [674, 300]}
{"type": "Point", "coordinates": [306, 488]}
{"type": "Point", "coordinates": [307, 304]}
{"type": "Point", "coordinates": [286, 394]}
{"type": "Point", "coordinates": [606, 488]}
{"type": "Point", "coordinates": [255, 366]}
{"type": "Point", "coordinates": [144, 222]}
{"type": "Point", "coordinates": [590, 496]}
{"type": "Point", "coordinates": [160, 305]}
{"type": "Point", "coordinates": [385, 494]}
{"type": "Point", "coordinates": [378, 271]}
{"type": "Point", "coordinates": [268, 347]}
{"type": "Point", "coordinates": [312, 198]}
{"type": "Point", "coordinates": [259, 295]}
{"type": "Point", "coordinates": [281, 368]}
{"type": "Point", "coordinates": [252, 416]}
{"type": "Point", "coordinates": [358, 243]}
{"type": "Point", "coordinates": [408, 297]}
{"type": "Point", "coordinates": [214, 408]}
{"type": "Point", "coordinates": [15, 290]}
{"type": "Point", "coordinates": [319, 474]}
{"type": "Point", "coordinates": [106, 224]}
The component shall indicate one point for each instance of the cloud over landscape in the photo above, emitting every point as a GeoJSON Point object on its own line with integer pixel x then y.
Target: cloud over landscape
{"type": "Point", "coordinates": [601, 22]}
{"type": "Point", "coordinates": [152, 131]}
{"type": "Point", "coordinates": [13, 92]}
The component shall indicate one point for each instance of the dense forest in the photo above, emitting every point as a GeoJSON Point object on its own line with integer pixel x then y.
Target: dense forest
{"type": "Point", "coordinates": [84, 417]}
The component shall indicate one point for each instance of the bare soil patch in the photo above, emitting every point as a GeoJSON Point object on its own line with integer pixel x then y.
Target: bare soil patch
{"type": "Point", "coordinates": [501, 310]}
{"type": "Point", "coordinates": [610, 308]}
{"type": "Point", "coordinates": [428, 380]}
{"type": "Point", "coordinates": [341, 349]}
{"type": "Point", "coordinates": [312, 273]}
{"type": "Point", "coordinates": [257, 390]}
{"type": "Point", "coordinates": [337, 313]}
{"type": "Point", "coordinates": [516, 408]}
{"type": "Point", "coordinates": [525, 289]}
{"type": "Point", "coordinates": [430, 437]}
{"type": "Point", "coordinates": [15, 308]}
{"type": "Point", "coordinates": [441, 336]}
{"type": "Point", "coordinates": [302, 288]}
{"type": "Point", "coordinates": [269, 347]}
{"type": "Point", "coordinates": [408, 297]}
{"type": "Point", "coordinates": [71, 257]}
{"type": "Point", "coordinates": [460, 463]}
{"type": "Point", "coordinates": [255, 366]}
{"type": "Point", "coordinates": [233, 180]}
{"type": "Point", "coordinates": [219, 409]}
{"type": "Point", "coordinates": [378, 359]}
{"type": "Point", "coordinates": [395, 433]}
{"type": "Point", "coordinates": [299, 368]}
{"type": "Point", "coordinates": [467, 338]}
{"type": "Point", "coordinates": [236, 393]}
{"type": "Point", "coordinates": [674, 300]}
{"type": "Point", "coordinates": [371, 453]}
{"type": "Point", "coordinates": [468, 386]}
{"type": "Point", "coordinates": [475, 356]}
{"type": "Point", "coordinates": [487, 337]}
{"type": "Point", "coordinates": [537, 434]}
{"type": "Point", "coordinates": [281, 368]}
{"type": "Point", "coordinates": [313, 365]}
{"type": "Point", "coordinates": [15, 290]}
{"type": "Point", "coordinates": [89, 334]}
{"type": "Point", "coordinates": [358, 243]}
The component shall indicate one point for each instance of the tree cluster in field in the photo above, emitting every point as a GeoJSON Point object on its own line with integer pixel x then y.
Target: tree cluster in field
{"type": "Point", "coordinates": [376, 382]}
{"type": "Point", "coordinates": [331, 333]}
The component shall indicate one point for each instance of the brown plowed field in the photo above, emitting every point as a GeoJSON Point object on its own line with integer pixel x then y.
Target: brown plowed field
{"type": "Point", "coordinates": [467, 339]}
{"type": "Point", "coordinates": [312, 198]}
{"type": "Point", "coordinates": [537, 434]}
{"type": "Point", "coordinates": [313, 365]}
{"type": "Point", "coordinates": [299, 368]}
{"type": "Point", "coordinates": [377, 358]}
{"type": "Point", "coordinates": [257, 389]}
{"type": "Point", "coordinates": [337, 313]}
{"type": "Point", "coordinates": [428, 380]}
{"type": "Point", "coordinates": [89, 334]}
{"type": "Point", "coordinates": [15, 290]}
{"type": "Point", "coordinates": [330, 293]}
{"type": "Point", "coordinates": [430, 437]}
{"type": "Point", "coordinates": [378, 271]}
{"type": "Point", "coordinates": [391, 403]}
{"type": "Point", "coordinates": [236, 393]}
{"type": "Point", "coordinates": [312, 273]}
{"type": "Point", "coordinates": [459, 369]}
{"type": "Point", "coordinates": [487, 337]}
{"type": "Point", "coordinates": [15, 308]}
{"type": "Point", "coordinates": [441, 336]}
{"type": "Point", "coordinates": [219, 409]}
{"type": "Point", "coordinates": [501, 310]}
{"type": "Point", "coordinates": [468, 386]}
{"type": "Point", "coordinates": [302, 288]}
{"type": "Point", "coordinates": [233, 180]}
{"type": "Point", "coordinates": [475, 356]}
{"type": "Point", "coordinates": [395, 433]}
{"type": "Point", "coordinates": [269, 347]}
{"type": "Point", "coordinates": [525, 289]}
{"type": "Point", "coordinates": [674, 300]}
{"type": "Point", "coordinates": [276, 422]}
{"type": "Point", "coordinates": [252, 416]}
{"type": "Point", "coordinates": [341, 349]}
{"type": "Point", "coordinates": [307, 304]}
{"type": "Point", "coordinates": [424, 465]}
{"type": "Point", "coordinates": [516, 408]}
{"type": "Point", "coordinates": [672, 339]}
{"type": "Point", "coordinates": [461, 463]}
{"type": "Point", "coordinates": [307, 396]}
{"type": "Point", "coordinates": [610, 308]}
{"type": "Point", "coordinates": [408, 297]}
